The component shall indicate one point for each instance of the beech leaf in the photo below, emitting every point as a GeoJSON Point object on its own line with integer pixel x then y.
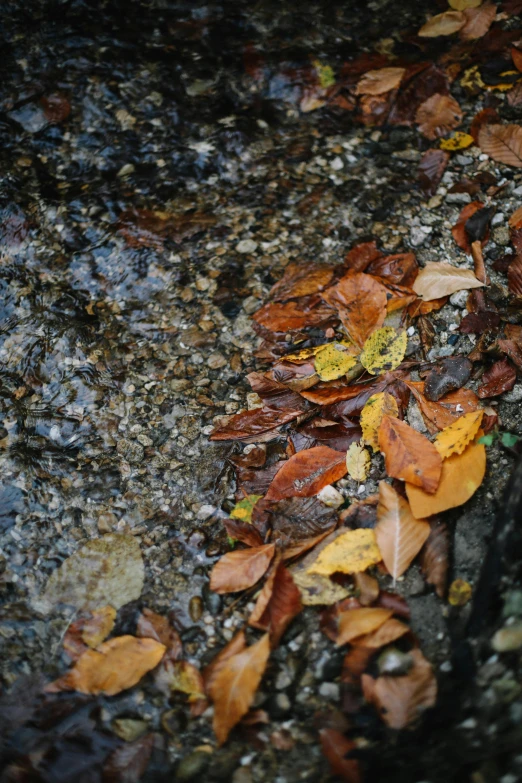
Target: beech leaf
{"type": "Point", "coordinates": [278, 603]}
{"type": "Point", "coordinates": [408, 454]}
{"type": "Point", "coordinates": [357, 462]}
{"type": "Point", "coordinates": [439, 279]}
{"type": "Point", "coordinates": [336, 747]}
{"type": "Point", "coordinates": [379, 81]}
{"type": "Point", "coordinates": [371, 416]}
{"type": "Point", "coordinates": [434, 556]}
{"type": "Point", "coordinates": [438, 115]}
{"type": "Point", "coordinates": [358, 622]}
{"type": "Point", "coordinates": [350, 552]}
{"type": "Point", "coordinates": [241, 569]}
{"type": "Point", "coordinates": [503, 143]}
{"type": "Point", "coordinates": [307, 472]}
{"type": "Point", "coordinates": [454, 438]}
{"type": "Point", "coordinates": [388, 632]}
{"type": "Point", "coordinates": [384, 350]}
{"type": "Point", "coordinates": [446, 23]}
{"type": "Point", "coordinates": [333, 361]}
{"type": "Point", "coordinates": [360, 301]}
{"type": "Point", "coordinates": [399, 535]}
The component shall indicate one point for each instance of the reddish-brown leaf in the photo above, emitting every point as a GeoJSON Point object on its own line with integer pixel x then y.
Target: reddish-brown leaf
{"type": "Point", "coordinates": [355, 663]}
{"type": "Point", "coordinates": [389, 631]}
{"type": "Point", "coordinates": [336, 747]}
{"type": "Point", "coordinates": [401, 700]}
{"type": "Point", "coordinates": [478, 21]}
{"type": "Point", "coordinates": [438, 115]}
{"type": "Point", "coordinates": [400, 536]}
{"type": "Point", "coordinates": [514, 96]}
{"type": "Point", "coordinates": [484, 117]}
{"type": "Point", "coordinates": [154, 626]}
{"type": "Point", "coordinates": [500, 378]}
{"type": "Point", "coordinates": [361, 255]}
{"type": "Point", "coordinates": [514, 274]}
{"type": "Point", "coordinates": [431, 168]}
{"type": "Point", "coordinates": [236, 645]}
{"type": "Point", "coordinates": [503, 143]}
{"type": "Point", "coordinates": [300, 280]}
{"type": "Point", "coordinates": [513, 350]}
{"type": "Point", "coordinates": [379, 81]}
{"type": "Point", "coordinates": [408, 454]}
{"type": "Point", "coordinates": [367, 586]}
{"type": "Point", "coordinates": [459, 231]}
{"type": "Point", "coordinates": [401, 268]}
{"type": "Point", "coordinates": [243, 531]}
{"type": "Point", "coordinates": [233, 687]}
{"type": "Point", "coordinates": [283, 604]}
{"type": "Point", "coordinates": [241, 569]}
{"type": "Point", "coordinates": [307, 472]}
{"type": "Point", "coordinates": [516, 56]}
{"type": "Point", "coordinates": [434, 557]}
{"type": "Point", "coordinates": [445, 411]}
{"type": "Point", "coordinates": [289, 316]}
{"type": "Point", "coordinates": [360, 301]}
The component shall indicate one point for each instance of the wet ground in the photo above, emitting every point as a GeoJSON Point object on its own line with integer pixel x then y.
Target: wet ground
{"type": "Point", "coordinates": [157, 177]}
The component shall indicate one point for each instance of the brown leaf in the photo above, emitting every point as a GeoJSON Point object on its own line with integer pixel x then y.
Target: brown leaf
{"type": "Point", "coordinates": [300, 280]}
{"type": "Point", "coordinates": [379, 81]}
{"type": "Point", "coordinates": [408, 455]}
{"type": "Point", "coordinates": [511, 349]}
{"type": "Point", "coordinates": [401, 700]}
{"type": "Point", "coordinates": [446, 23]}
{"type": "Point", "coordinates": [362, 254]}
{"type": "Point", "coordinates": [514, 274]}
{"type": "Point", "coordinates": [284, 603]}
{"type": "Point", "coordinates": [236, 645]}
{"type": "Point", "coordinates": [241, 569]}
{"type": "Point", "coordinates": [458, 231]}
{"type": "Point", "coordinates": [514, 96]}
{"type": "Point", "coordinates": [389, 631]}
{"type": "Point", "coordinates": [431, 168]}
{"type": "Point", "coordinates": [503, 143]}
{"type": "Point", "coordinates": [445, 411]}
{"type": "Point", "coordinates": [478, 323]}
{"type": "Point", "coordinates": [516, 56]}
{"type": "Point", "coordinates": [400, 536]}
{"type": "Point", "coordinates": [439, 279]}
{"type": "Point", "coordinates": [484, 117]}
{"type": "Point", "coordinates": [355, 663]}
{"type": "Point", "coordinates": [438, 115]}
{"type": "Point", "coordinates": [450, 373]}
{"type": "Point", "coordinates": [154, 626]}
{"type": "Point", "coordinates": [500, 378]}
{"type": "Point", "coordinates": [367, 586]}
{"type": "Point", "coordinates": [233, 687]}
{"type": "Point", "coordinates": [336, 747]}
{"type": "Point", "coordinates": [149, 228]}
{"type": "Point", "coordinates": [287, 317]}
{"type": "Point", "coordinates": [358, 622]}
{"type": "Point", "coordinates": [88, 631]}
{"type": "Point", "coordinates": [400, 268]}
{"type": "Point", "coordinates": [434, 557]}
{"type": "Point", "coordinates": [243, 531]}
{"type": "Point", "coordinates": [478, 21]}
{"type": "Point", "coordinates": [307, 472]}
{"type": "Point", "coordinates": [113, 667]}
{"type": "Point", "coordinates": [127, 764]}
{"type": "Point", "coordinates": [361, 304]}
{"type": "Point", "coordinates": [295, 519]}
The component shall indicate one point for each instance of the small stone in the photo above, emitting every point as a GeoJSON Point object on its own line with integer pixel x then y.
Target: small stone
{"type": "Point", "coordinates": [458, 198]}
{"type": "Point", "coordinates": [508, 638]}
{"type": "Point", "coordinates": [394, 662]}
{"type": "Point", "coordinates": [459, 299]}
{"type": "Point", "coordinates": [434, 202]}
{"type": "Point", "coordinates": [107, 522]}
{"type": "Point", "coordinates": [329, 690]}
{"type": "Point", "coordinates": [497, 219]}
{"type": "Point", "coordinates": [195, 608]}
{"type": "Point", "coordinates": [242, 775]}
{"type": "Point", "coordinates": [250, 305]}
{"type": "Point", "coordinates": [419, 234]}
{"type": "Point", "coordinates": [337, 164]}
{"type": "Point", "coordinates": [181, 384]}
{"type": "Point", "coordinates": [193, 765]}
{"type": "Point", "coordinates": [246, 246]}
{"type": "Point", "coordinates": [463, 160]}
{"type": "Point", "coordinates": [129, 729]}
{"type": "Point", "coordinates": [513, 604]}
{"type": "Point", "coordinates": [216, 360]}
{"type": "Point", "coordinates": [515, 395]}
{"type": "Point", "coordinates": [331, 497]}
{"type": "Point", "coordinates": [205, 511]}
{"type": "Point", "coordinates": [283, 680]}
{"type": "Point", "coordinates": [125, 170]}
{"type": "Point", "coordinates": [500, 235]}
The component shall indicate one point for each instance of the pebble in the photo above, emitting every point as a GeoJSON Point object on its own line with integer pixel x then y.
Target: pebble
{"type": "Point", "coordinates": [205, 511]}
{"type": "Point", "coordinates": [216, 360]}
{"type": "Point", "coordinates": [331, 497]}
{"type": "Point", "coordinates": [458, 198]}
{"type": "Point", "coordinates": [463, 160]}
{"type": "Point", "coordinates": [459, 298]}
{"type": "Point", "coordinates": [419, 234]}
{"type": "Point", "coordinates": [515, 395]}
{"type": "Point", "coordinates": [246, 246]}
{"type": "Point", "coordinates": [508, 638]}
{"type": "Point", "coordinates": [337, 164]}
{"type": "Point", "coordinates": [195, 608]}
{"type": "Point", "coordinates": [513, 604]}
{"type": "Point", "coordinates": [192, 765]}
{"type": "Point", "coordinates": [497, 219]}
{"type": "Point", "coordinates": [329, 690]}
{"type": "Point", "coordinates": [501, 236]}
{"type": "Point", "coordinates": [394, 662]}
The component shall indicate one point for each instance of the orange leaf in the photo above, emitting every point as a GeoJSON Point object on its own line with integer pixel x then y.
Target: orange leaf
{"type": "Point", "coordinates": [379, 81]}
{"type": "Point", "coordinates": [336, 747]}
{"type": "Point", "coordinates": [300, 280]}
{"type": "Point", "coordinates": [357, 622]}
{"type": "Point", "coordinates": [438, 115]}
{"type": "Point", "coordinates": [503, 143]}
{"type": "Point", "coordinates": [445, 411]}
{"type": "Point", "coordinates": [401, 700]}
{"type": "Point", "coordinates": [236, 645]}
{"type": "Point", "coordinates": [113, 667]}
{"type": "Point", "coordinates": [241, 569]}
{"type": "Point", "coordinates": [361, 303]}
{"type": "Point", "coordinates": [307, 472]}
{"type": "Point", "coordinates": [283, 604]}
{"type": "Point", "coordinates": [88, 631]}
{"type": "Point", "coordinates": [400, 536]}
{"type": "Point", "coordinates": [234, 686]}
{"type": "Point", "coordinates": [462, 475]}
{"type": "Point", "coordinates": [409, 455]}
{"type": "Point", "coordinates": [154, 626]}
{"type": "Point", "coordinates": [389, 631]}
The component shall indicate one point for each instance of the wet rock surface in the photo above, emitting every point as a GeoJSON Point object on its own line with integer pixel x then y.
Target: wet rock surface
{"type": "Point", "coordinates": [157, 178]}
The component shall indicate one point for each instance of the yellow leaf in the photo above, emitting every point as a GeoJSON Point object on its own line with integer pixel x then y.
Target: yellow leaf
{"type": "Point", "coordinates": [461, 5]}
{"type": "Point", "coordinates": [459, 141]}
{"type": "Point", "coordinates": [243, 510]}
{"type": "Point", "coordinates": [332, 362]}
{"type": "Point", "coordinates": [384, 350]}
{"type": "Point", "coordinates": [459, 592]}
{"type": "Point", "coordinates": [357, 462]}
{"type": "Point", "coordinates": [303, 354]}
{"type": "Point", "coordinates": [353, 551]}
{"type": "Point", "coordinates": [455, 438]}
{"type": "Point", "coordinates": [371, 416]}
{"type": "Point", "coordinates": [472, 79]}
{"type": "Point", "coordinates": [325, 74]}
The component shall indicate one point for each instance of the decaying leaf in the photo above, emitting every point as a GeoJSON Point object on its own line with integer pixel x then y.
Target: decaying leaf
{"type": "Point", "coordinates": [333, 361]}
{"type": "Point", "coordinates": [241, 569]}
{"type": "Point", "coordinates": [360, 301]}
{"type": "Point", "coordinates": [287, 317]}
{"type": "Point", "coordinates": [438, 115]}
{"type": "Point", "coordinates": [243, 510]}
{"type": "Point", "coordinates": [431, 168]}
{"type": "Point", "coordinates": [378, 405]}
{"type": "Point", "coordinates": [459, 141]}
{"type": "Point", "coordinates": [357, 462]}
{"type": "Point", "coordinates": [351, 551]}
{"type": "Point", "coordinates": [500, 378]}
{"type": "Point", "coordinates": [462, 474]}
{"type": "Point", "coordinates": [408, 454]}
{"type": "Point", "coordinates": [399, 535]}
{"type": "Point", "coordinates": [503, 143]}
{"type": "Point", "coordinates": [358, 622]}
{"type": "Point", "coordinates": [154, 626]}
{"type": "Point", "coordinates": [439, 279]}
{"type": "Point", "coordinates": [446, 23]}
{"type": "Point", "coordinates": [379, 81]}
{"type": "Point", "coordinates": [278, 603]}
{"type": "Point", "coordinates": [454, 438]}
{"type": "Point", "coordinates": [105, 571]}
{"type": "Point", "coordinates": [88, 631]}
{"type": "Point", "coordinates": [384, 350]}
{"type": "Point", "coordinates": [317, 590]}
{"type": "Point", "coordinates": [434, 557]}
{"type": "Point", "coordinates": [367, 586]}
{"type": "Point", "coordinates": [307, 472]}
{"type": "Point", "coordinates": [233, 687]}
{"type": "Point", "coordinates": [459, 593]}
{"type": "Point", "coordinates": [113, 667]}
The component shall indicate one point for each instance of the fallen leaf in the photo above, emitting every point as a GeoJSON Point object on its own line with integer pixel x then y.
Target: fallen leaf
{"type": "Point", "coordinates": [233, 687]}
{"type": "Point", "coordinates": [241, 569]}
{"type": "Point", "coordinates": [336, 749]}
{"type": "Point", "coordinates": [367, 587]}
{"type": "Point", "coordinates": [307, 472]}
{"type": "Point", "coordinates": [431, 168]}
{"type": "Point", "coordinates": [378, 405]}
{"type": "Point", "coordinates": [236, 645]}
{"type": "Point", "coordinates": [478, 21]}
{"type": "Point", "coordinates": [351, 551]}
{"type": "Point", "coordinates": [128, 763]}
{"type": "Point", "coordinates": [296, 519]}
{"type": "Point", "coordinates": [106, 571]}
{"type": "Point", "coordinates": [275, 612]}
{"type": "Point", "coordinates": [300, 280]}
{"type": "Point", "coordinates": [293, 315]}
{"type": "Point", "coordinates": [514, 274]}
{"type": "Point", "coordinates": [358, 622]}
{"type": "Point", "coordinates": [434, 556]}
{"type": "Point", "coordinates": [155, 626]}
{"type": "Point", "coordinates": [461, 5]}
{"type": "Point", "coordinates": [243, 509]}
{"type": "Point", "coordinates": [459, 232]}
{"type": "Point", "coordinates": [384, 350]}
{"type": "Point", "coordinates": [438, 115]}
{"type": "Point", "coordinates": [503, 143]}
{"type": "Point", "coordinates": [442, 24]}
{"type": "Point", "coordinates": [357, 462]}
{"type": "Point", "coordinates": [400, 268]}
{"type": "Point", "coordinates": [516, 56]}
{"type": "Point", "coordinates": [399, 535]}
{"type": "Point", "coordinates": [459, 141]}
{"type": "Point", "coordinates": [355, 663]}
{"type": "Point", "coordinates": [500, 378]}
{"type": "Point", "coordinates": [362, 254]}
{"type": "Point", "coordinates": [243, 531]}
{"type": "Point", "coordinates": [462, 474]}
{"type": "Point", "coordinates": [333, 361]}
{"type": "Point", "coordinates": [182, 677]}
{"type": "Point", "coordinates": [88, 631]}
{"type": "Point", "coordinates": [360, 301]}
{"type": "Point", "coordinates": [439, 279]}
{"type": "Point", "coordinates": [459, 593]}
{"type": "Point", "coordinates": [450, 373]}
{"type": "Point", "coordinates": [478, 323]}
{"type": "Point", "coordinates": [318, 590]}
{"type": "Point", "coordinates": [401, 700]}
{"type": "Point", "coordinates": [379, 81]}
{"type": "Point", "coordinates": [449, 408]}
{"type": "Point", "coordinates": [408, 454]}
{"type": "Point", "coordinates": [113, 667]}
{"type": "Point", "coordinates": [454, 438]}
{"type": "Point", "coordinates": [389, 631]}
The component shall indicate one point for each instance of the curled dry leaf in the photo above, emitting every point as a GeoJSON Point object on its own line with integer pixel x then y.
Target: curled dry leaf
{"type": "Point", "coordinates": [503, 143]}
{"type": "Point", "coordinates": [360, 301]}
{"type": "Point", "coordinates": [401, 700]}
{"type": "Point", "coordinates": [378, 405]}
{"type": "Point", "coordinates": [307, 472]}
{"type": "Point", "coordinates": [379, 81]}
{"type": "Point", "coordinates": [500, 378]}
{"type": "Point", "coordinates": [438, 115]}
{"type": "Point", "coordinates": [349, 552]}
{"type": "Point", "coordinates": [384, 350]}
{"type": "Point", "coordinates": [358, 622]}
{"type": "Point", "coordinates": [113, 667]}
{"type": "Point", "coordinates": [336, 749]}
{"type": "Point", "coordinates": [478, 21]}
{"type": "Point", "coordinates": [357, 462]}
{"type": "Point", "coordinates": [434, 557]}
{"type": "Point", "coordinates": [275, 611]}
{"type": "Point", "coordinates": [333, 361]}
{"type": "Point", "coordinates": [408, 454]}
{"type": "Point", "coordinates": [443, 24]}
{"type": "Point", "coordinates": [454, 438]}
{"type": "Point", "coordinates": [462, 474]}
{"type": "Point", "coordinates": [399, 535]}
{"type": "Point", "coordinates": [241, 569]}
{"type": "Point", "coordinates": [233, 687]}
{"type": "Point", "coordinates": [439, 279]}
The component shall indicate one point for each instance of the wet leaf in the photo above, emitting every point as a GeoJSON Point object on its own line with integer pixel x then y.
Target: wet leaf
{"type": "Point", "coordinates": [459, 141]}
{"type": "Point", "coordinates": [278, 603]}
{"type": "Point", "coordinates": [243, 531]}
{"type": "Point", "coordinates": [243, 509]}
{"type": "Point", "coordinates": [431, 168]}
{"type": "Point", "coordinates": [236, 645]}
{"type": "Point", "coordinates": [389, 631]}
{"type": "Point", "coordinates": [105, 571]}
{"type": "Point", "coordinates": [357, 462]}
{"type": "Point", "coordinates": [478, 21]}
{"type": "Point", "coordinates": [182, 677]}
{"type": "Point", "coordinates": [307, 472]}
{"type": "Point", "coordinates": [439, 279]}
{"type": "Point", "coordinates": [459, 593]}
{"type": "Point", "coordinates": [384, 350]}
{"type": "Point", "coordinates": [454, 438]}
{"type": "Point", "coordinates": [358, 622]}
{"type": "Point", "coordinates": [478, 323]}
{"type": "Point", "coordinates": [360, 301]}
{"type": "Point", "coordinates": [88, 631]}
{"type": "Point", "coordinates": [400, 536]}
{"type": "Point", "coordinates": [449, 408]}
{"type": "Point", "coordinates": [113, 667]}
{"type": "Point", "coordinates": [401, 700]}
{"type": "Point", "coordinates": [241, 569]}
{"type": "Point", "coordinates": [400, 269]}
{"type": "Point", "coordinates": [408, 454]}
{"type": "Point", "coordinates": [503, 143]}
{"type": "Point", "coordinates": [300, 280]}
{"type": "Point", "coordinates": [462, 474]}
{"type": "Point", "coordinates": [434, 557]}
{"type": "Point", "coordinates": [362, 254]}
{"type": "Point", "coordinates": [336, 747]}
{"type": "Point", "coordinates": [442, 24]}
{"type": "Point", "coordinates": [450, 373]}
{"type": "Point", "coordinates": [128, 763]}
{"type": "Point", "coordinates": [438, 115]}
{"type": "Point", "coordinates": [514, 274]}
{"type": "Point", "coordinates": [333, 361]}
{"type": "Point", "coordinates": [234, 686]}
{"type": "Point", "coordinates": [378, 405]}
{"type": "Point", "coordinates": [290, 316]}
{"type": "Point", "coordinates": [296, 519]}
{"type": "Point", "coordinates": [155, 626]}
{"type": "Point", "coordinates": [500, 378]}
{"type": "Point", "coordinates": [352, 551]}
{"type": "Point", "coordinates": [379, 81]}
{"type": "Point", "coordinates": [317, 590]}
